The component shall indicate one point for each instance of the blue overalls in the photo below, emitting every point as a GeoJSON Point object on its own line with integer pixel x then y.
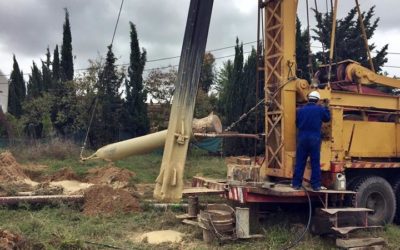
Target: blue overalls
{"type": "Point", "coordinates": [308, 122]}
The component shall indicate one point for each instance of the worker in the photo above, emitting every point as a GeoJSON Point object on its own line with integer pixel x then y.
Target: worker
{"type": "Point", "coordinates": [308, 122]}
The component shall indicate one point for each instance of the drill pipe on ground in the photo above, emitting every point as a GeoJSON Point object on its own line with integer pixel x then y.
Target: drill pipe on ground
{"type": "Point", "coordinates": [148, 143]}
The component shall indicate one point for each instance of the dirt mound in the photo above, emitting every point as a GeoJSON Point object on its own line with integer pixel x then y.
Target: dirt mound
{"type": "Point", "coordinates": [63, 174]}
{"type": "Point", "coordinates": [10, 170]}
{"type": "Point", "coordinates": [110, 175]}
{"type": "Point", "coordinates": [35, 171]}
{"type": "Point", "coordinates": [105, 200]}
{"type": "Point", "coordinates": [9, 241]}
{"type": "Point", "coordinates": [46, 189]}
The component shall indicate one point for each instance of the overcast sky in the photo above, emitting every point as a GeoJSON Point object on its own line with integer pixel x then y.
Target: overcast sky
{"type": "Point", "coordinates": [28, 27]}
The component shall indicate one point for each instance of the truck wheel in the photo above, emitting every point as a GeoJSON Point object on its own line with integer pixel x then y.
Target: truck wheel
{"type": "Point", "coordinates": [350, 185]}
{"type": "Point", "coordinates": [376, 193]}
{"type": "Point", "coordinates": [396, 190]}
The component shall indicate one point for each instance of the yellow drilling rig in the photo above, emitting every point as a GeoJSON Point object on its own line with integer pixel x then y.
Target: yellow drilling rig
{"type": "Point", "coordinates": [360, 144]}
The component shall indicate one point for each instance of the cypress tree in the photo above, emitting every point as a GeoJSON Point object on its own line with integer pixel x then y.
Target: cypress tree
{"type": "Point", "coordinates": [67, 64]}
{"type": "Point", "coordinates": [56, 65]}
{"type": "Point", "coordinates": [350, 43]}
{"type": "Point", "coordinates": [135, 121]}
{"type": "Point", "coordinates": [224, 77]}
{"type": "Point", "coordinates": [46, 72]}
{"type": "Point", "coordinates": [107, 120]}
{"type": "Point", "coordinates": [17, 90]}
{"type": "Point", "coordinates": [249, 93]}
{"type": "Point", "coordinates": [234, 99]}
{"type": "Point", "coordinates": [35, 83]}
{"type": "Point", "coordinates": [64, 108]}
{"type": "Point", "coordinates": [302, 52]}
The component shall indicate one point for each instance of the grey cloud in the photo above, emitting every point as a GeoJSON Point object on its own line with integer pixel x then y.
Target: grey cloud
{"type": "Point", "coordinates": [29, 26]}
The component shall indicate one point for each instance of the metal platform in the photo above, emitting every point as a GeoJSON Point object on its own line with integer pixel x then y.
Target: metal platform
{"type": "Point", "coordinates": [331, 191]}
{"type": "Point", "coordinates": [333, 211]}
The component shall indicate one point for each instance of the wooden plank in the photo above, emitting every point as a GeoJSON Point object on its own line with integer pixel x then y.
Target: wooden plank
{"type": "Point", "coordinates": [360, 242]}
{"type": "Point", "coordinates": [191, 222]}
{"type": "Point", "coordinates": [345, 209]}
{"type": "Point", "coordinates": [377, 247]}
{"type": "Point", "coordinates": [185, 216]}
{"type": "Point", "coordinates": [201, 190]}
{"type": "Point", "coordinates": [346, 230]}
{"type": "Point", "coordinates": [39, 199]}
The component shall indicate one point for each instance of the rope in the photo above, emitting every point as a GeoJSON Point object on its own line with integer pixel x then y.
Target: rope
{"type": "Point", "coordinates": [364, 35]}
{"type": "Point", "coordinates": [333, 33]}
{"type": "Point", "coordinates": [116, 24]}
{"type": "Point", "coordinates": [101, 77]}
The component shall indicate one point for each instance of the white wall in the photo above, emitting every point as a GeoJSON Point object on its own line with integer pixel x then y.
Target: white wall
{"type": "Point", "coordinates": [3, 92]}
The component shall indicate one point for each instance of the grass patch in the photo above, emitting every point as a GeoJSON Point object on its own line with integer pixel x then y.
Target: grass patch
{"type": "Point", "coordinates": [64, 227]}
{"type": "Point", "coordinates": [146, 167]}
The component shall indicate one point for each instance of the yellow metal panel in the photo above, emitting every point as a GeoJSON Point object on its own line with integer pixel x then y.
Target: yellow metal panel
{"type": "Point", "coordinates": [337, 133]}
{"type": "Point", "coordinates": [325, 157]}
{"type": "Point", "coordinates": [369, 139]}
{"type": "Point", "coordinates": [289, 135]}
{"type": "Point", "coordinates": [364, 101]}
{"type": "Point", "coordinates": [397, 140]}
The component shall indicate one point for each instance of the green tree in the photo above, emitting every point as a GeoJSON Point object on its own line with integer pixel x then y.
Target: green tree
{"type": "Point", "coordinates": [64, 111]}
{"type": "Point", "coordinates": [207, 74]}
{"type": "Point", "coordinates": [106, 124]}
{"type": "Point", "coordinates": [46, 72]}
{"type": "Point", "coordinates": [234, 98]}
{"type": "Point", "coordinates": [35, 83]}
{"type": "Point", "coordinates": [135, 121]}
{"type": "Point", "coordinates": [36, 117]}
{"type": "Point", "coordinates": [248, 125]}
{"type": "Point", "coordinates": [224, 77]}
{"type": "Point", "coordinates": [350, 43]}
{"type": "Point", "coordinates": [205, 102]}
{"type": "Point", "coordinates": [56, 65]}
{"type": "Point", "coordinates": [161, 85]}
{"type": "Point", "coordinates": [67, 64]}
{"type": "Point", "coordinates": [302, 40]}
{"type": "Point", "coordinates": [17, 90]}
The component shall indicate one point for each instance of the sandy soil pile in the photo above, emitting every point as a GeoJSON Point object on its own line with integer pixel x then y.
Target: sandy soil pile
{"type": "Point", "coordinates": [63, 174]}
{"type": "Point", "coordinates": [158, 237]}
{"type": "Point", "coordinates": [35, 171]}
{"type": "Point", "coordinates": [9, 241]}
{"type": "Point", "coordinates": [10, 170]}
{"type": "Point", "coordinates": [110, 175]}
{"type": "Point", "coordinates": [101, 199]}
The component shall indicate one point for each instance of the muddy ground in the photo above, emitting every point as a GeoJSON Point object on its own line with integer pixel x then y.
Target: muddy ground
{"type": "Point", "coordinates": [106, 190]}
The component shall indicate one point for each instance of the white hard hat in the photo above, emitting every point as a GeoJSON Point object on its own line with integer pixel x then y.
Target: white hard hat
{"type": "Point", "coordinates": [314, 95]}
